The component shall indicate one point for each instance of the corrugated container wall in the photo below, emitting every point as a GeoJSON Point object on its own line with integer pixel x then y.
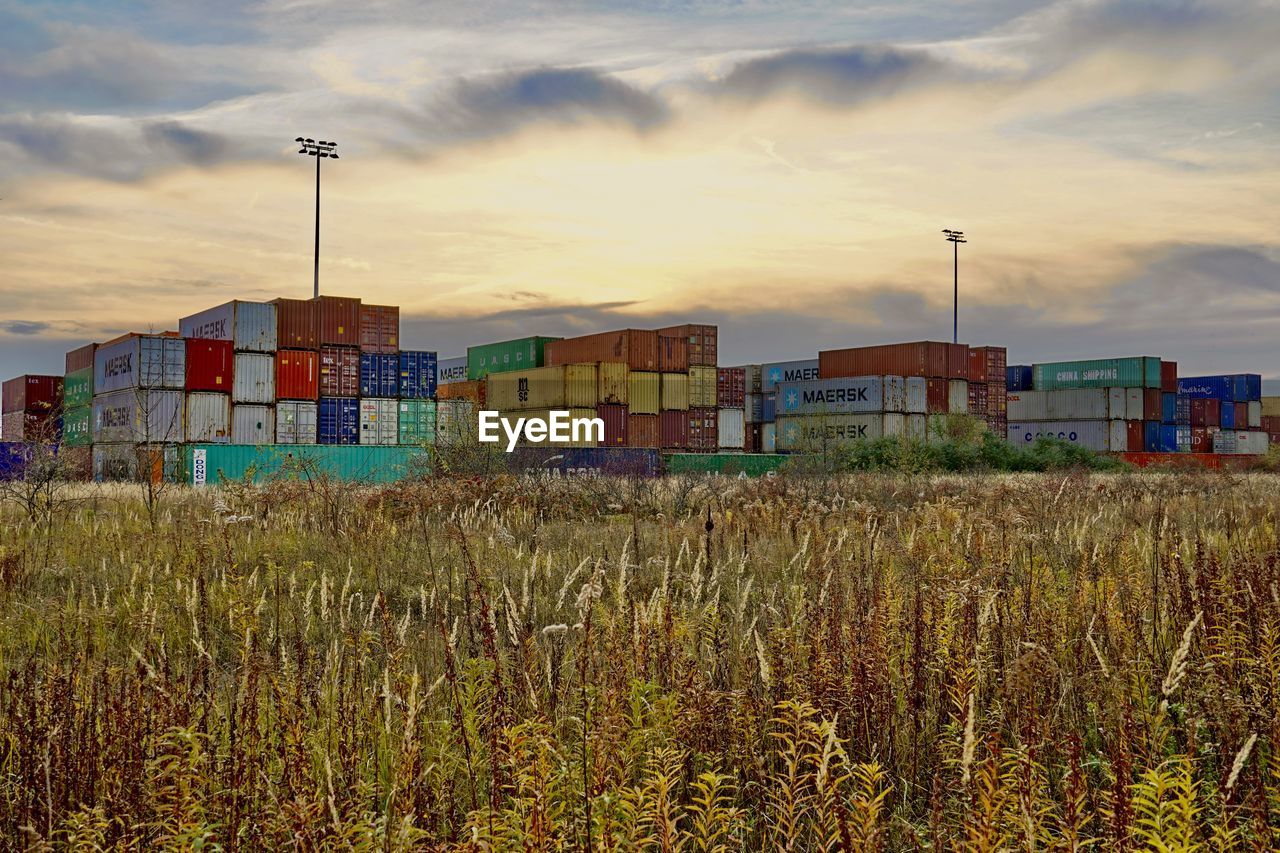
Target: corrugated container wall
{"type": "Point", "coordinates": [451, 370]}
{"type": "Point", "coordinates": [253, 424]}
{"type": "Point", "coordinates": [616, 421]}
{"type": "Point", "coordinates": [673, 354]}
{"type": "Point", "coordinates": [1169, 377]}
{"type": "Point", "coordinates": [379, 421]}
{"type": "Point", "coordinates": [928, 359]}
{"type": "Point", "coordinates": [208, 417]}
{"type": "Point", "coordinates": [249, 326]}
{"type": "Point", "coordinates": [339, 320]}
{"type": "Point", "coordinates": [140, 361]}
{"type": "Point", "coordinates": [815, 433]}
{"type": "Point", "coordinates": [614, 385]}
{"type": "Point", "coordinates": [297, 375]}
{"type": "Point", "coordinates": [255, 378]}
{"type": "Point", "coordinates": [536, 388]}
{"type": "Point", "coordinates": [518, 354]}
{"type": "Point", "coordinates": [644, 395]}
{"type": "Point", "coordinates": [731, 431]}
{"type": "Point", "coordinates": [32, 393]}
{"type": "Point", "coordinates": [1236, 387]}
{"type": "Point", "coordinates": [296, 422]}
{"type": "Point", "coordinates": [339, 372]}
{"type": "Point", "coordinates": [1132, 372]}
{"type": "Point", "coordinates": [673, 428]}
{"type": "Point", "coordinates": [132, 463]}
{"type": "Point", "coordinates": [29, 426]}
{"type": "Point", "coordinates": [731, 387]}
{"type": "Point", "coordinates": [418, 372]}
{"type": "Point", "coordinates": [77, 426]}
{"type": "Point", "coordinates": [842, 395]}
{"type": "Point", "coordinates": [380, 328]}
{"type": "Point", "coordinates": [703, 342]}
{"type": "Point", "coordinates": [472, 391]}
{"type": "Point", "coordinates": [80, 358]}
{"type": "Point", "coordinates": [138, 416]}
{"type": "Point", "coordinates": [773, 375]}
{"type": "Point", "coordinates": [1018, 377]}
{"type": "Point", "coordinates": [456, 422]}
{"type": "Point", "coordinates": [702, 387]}
{"type": "Point", "coordinates": [638, 348]}
{"type": "Point", "coordinates": [958, 396]}
{"type": "Point", "coordinates": [703, 428]}
{"type": "Point", "coordinates": [417, 422]}
{"type": "Point", "coordinates": [354, 464]}
{"type": "Point", "coordinates": [675, 392]}
{"type": "Point", "coordinates": [643, 431]}
{"type": "Point", "coordinates": [1094, 435]}
{"type": "Point", "coordinates": [379, 376]}
{"type": "Point", "coordinates": [209, 365]}
{"type": "Point", "coordinates": [297, 323]}
{"type": "Point", "coordinates": [581, 383]}
{"type": "Point", "coordinates": [339, 421]}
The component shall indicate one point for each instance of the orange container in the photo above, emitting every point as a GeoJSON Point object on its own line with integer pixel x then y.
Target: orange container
{"type": "Point", "coordinates": [638, 348]}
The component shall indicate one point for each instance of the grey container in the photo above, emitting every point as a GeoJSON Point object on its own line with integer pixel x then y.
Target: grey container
{"type": "Point", "coordinates": [1067, 404]}
{"type": "Point", "coordinates": [379, 420]}
{"type": "Point", "coordinates": [138, 416]}
{"type": "Point", "coordinates": [208, 418]}
{"type": "Point", "coordinates": [1094, 435]}
{"type": "Point", "coordinates": [254, 379]}
{"type": "Point", "coordinates": [253, 424]}
{"type": "Point", "coordinates": [129, 462]}
{"type": "Point", "coordinates": [250, 326]}
{"type": "Point", "coordinates": [140, 361]}
{"type": "Point", "coordinates": [449, 370]}
{"type": "Point", "coordinates": [815, 433]}
{"type": "Point", "coordinates": [295, 423]}
{"type": "Point", "coordinates": [775, 373]}
{"type": "Point", "coordinates": [845, 395]}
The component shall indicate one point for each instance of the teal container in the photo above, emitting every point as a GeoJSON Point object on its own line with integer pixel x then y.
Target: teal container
{"type": "Point", "coordinates": [77, 388]}
{"type": "Point", "coordinates": [77, 426]}
{"type": "Point", "coordinates": [209, 464]}
{"type": "Point", "coordinates": [506, 355]}
{"type": "Point", "coordinates": [417, 422]}
{"type": "Point", "coordinates": [1136, 372]}
{"type": "Point", "coordinates": [733, 464]}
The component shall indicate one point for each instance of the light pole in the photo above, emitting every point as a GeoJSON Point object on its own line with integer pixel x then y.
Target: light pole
{"type": "Point", "coordinates": [318, 149]}
{"type": "Point", "coordinates": [955, 238]}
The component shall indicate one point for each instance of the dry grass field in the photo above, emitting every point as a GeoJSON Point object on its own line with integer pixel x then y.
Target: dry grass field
{"type": "Point", "coordinates": [1039, 662]}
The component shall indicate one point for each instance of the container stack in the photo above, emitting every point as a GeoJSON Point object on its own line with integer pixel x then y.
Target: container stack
{"type": "Point", "coordinates": [32, 409]}
{"type": "Point", "coordinates": [77, 410]}
{"type": "Point", "coordinates": [231, 373]}
{"type": "Point", "coordinates": [690, 350]}
{"type": "Point", "coordinates": [1225, 413]}
{"type": "Point", "coordinates": [138, 401]}
{"type": "Point", "coordinates": [1269, 407]}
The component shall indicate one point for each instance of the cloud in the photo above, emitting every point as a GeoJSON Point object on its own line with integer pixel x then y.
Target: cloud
{"type": "Point", "coordinates": [837, 76]}
{"type": "Point", "coordinates": [25, 327]}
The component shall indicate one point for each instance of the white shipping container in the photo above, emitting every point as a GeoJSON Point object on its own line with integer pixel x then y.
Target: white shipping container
{"type": "Point", "coordinates": [732, 428]}
{"type": "Point", "coordinates": [252, 424]}
{"type": "Point", "coordinates": [138, 416]}
{"type": "Point", "coordinates": [451, 370]}
{"type": "Point", "coordinates": [456, 422]}
{"type": "Point", "coordinates": [379, 420]}
{"type": "Point", "coordinates": [295, 423]}
{"type": "Point", "coordinates": [769, 438]}
{"type": "Point", "coordinates": [128, 462]}
{"type": "Point", "coordinates": [1065, 404]}
{"type": "Point", "coordinates": [254, 379]}
{"type": "Point", "coordinates": [208, 417]}
{"type": "Point", "coordinates": [1242, 442]}
{"type": "Point", "coordinates": [917, 427]}
{"type": "Point", "coordinates": [958, 397]}
{"type": "Point", "coordinates": [895, 394]}
{"type": "Point", "coordinates": [917, 395]}
{"type": "Point", "coordinates": [140, 361]}
{"type": "Point", "coordinates": [845, 395]}
{"type": "Point", "coordinates": [1134, 404]}
{"type": "Point", "coordinates": [250, 326]}
{"type": "Point", "coordinates": [895, 424]}
{"type": "Point", "coordinates": [1255, 414]}
{"type": "Point", "coordinates": [820, 432]}
{"type": "Point", "coordinates": [1094, 435]}
{"type": "Point", "coordinates": [1118, 435]}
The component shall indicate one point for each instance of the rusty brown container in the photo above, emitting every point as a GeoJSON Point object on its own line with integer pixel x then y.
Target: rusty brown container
{"type": "Point", "coordinates": [643, 431]}
{"type": "Point", "coordinates": [978, 399]}
{"type": "Point", "coordinates": [81, 358]}
{"type": "Point", "coordinates": [473, 390]}
{"type": "Point", "coordinates": [929, 359]}
{"type": "Point", "coordinates": [957, 361]}
{"type": "Point", "coordinates": [936, 391]}
{"type": "Point", "coordinates": [703, 342]}
{"type": "Point", "coordinates": [987, 364]}
{"type": "Point", "coordinates": [704, 429]}
{"type": "Point", "coordinates": [339, 320]}
{"type": "Point", "coordinates": [380, 328]}
{"type": "Point", "coordinates": [339, 371]}
{"type": "Point", "coordinates": [731, 387]}
{"type": "Point", "coordinates": [673, 354]}
{"type": "Point", "coordinates": [1134, 434]}
{"type": "Point", "coordinates": [674, 428]}
{"type": "Point", "coordinates": [638, 348]}
{"type": "Point", "coordinates": [1152, 404]}
{"type": "Point", "coordinates": [616, 423]}
{"type": "Point", "coordinates": [297, 324]}
{"type": "Point", "coordinates": [1169, 377]}
{"type": "Point", "coordinates": [32, 393]}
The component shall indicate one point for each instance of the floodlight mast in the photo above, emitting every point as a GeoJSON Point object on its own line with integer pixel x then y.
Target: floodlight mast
{"type": "Point", "coordinates": [955, 238]}
{"type": "Point", "coordinates": [319, 149]}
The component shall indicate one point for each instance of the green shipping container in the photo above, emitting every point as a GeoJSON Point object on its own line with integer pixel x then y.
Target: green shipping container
{"type": "Point", "coordinates": [77, 426]}
{"type": "Point", "coordinates": [1136, 372]}
{"type": "Point", "coordinates": [417, 422]}
{"type": "Point", "coordinates": [733, 464]}
{"type": "Point", "coordinates": [506, 355]}
{"type": "Point", "coordinates": [77, 388]}
{"type": "Point", "coordinates": [209, 464]}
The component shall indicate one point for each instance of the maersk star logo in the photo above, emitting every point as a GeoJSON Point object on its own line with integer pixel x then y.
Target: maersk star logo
{"type": "Point", "coordinates": [793, 399]}
{"type": "Point", "coordinates": [791, 432]}
{"type": "Point", "coordinates": [775, 375]}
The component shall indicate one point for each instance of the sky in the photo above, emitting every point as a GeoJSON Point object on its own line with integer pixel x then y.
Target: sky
{"type": "Point", "coordinates": [781, 169]}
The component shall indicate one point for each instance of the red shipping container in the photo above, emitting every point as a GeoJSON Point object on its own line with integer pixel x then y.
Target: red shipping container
{"type": "Point", "coordinates": [32, 426]}
{"type": "Point", "coordinates": [673, 354]}
{"type": "Point", "coordinates": [380, 328]}
{"type": "Point", "coordinates": [704, 429]}
{"type": "Point", "coordinates": [339, 320]}
{"type": "Point", "coordinates": [1201, 439]}
{"type": "Point", "coordinates": [978, 399]}
{"type": "Point", "coordinates": [638, 348]}
{"type": "Point", "coordinates": [297, 374]}
{"type": "Point", "coordinates": [1134, 434]}
{"type": "Point", "coordinates": [209, 365]}
{"type": "Point", "coordinates": [1169, 377]}
{"type": "Point", "coordinates": [936, 396]}
{"type": "Point", "coordinates": [994, 360]}
{"type": "Point", "coordinates": [615, 425]}
{"type": "Point", "coordinates": [754, 438]}
{"type": "Point", "coordinates": [1271, 423]}
{"type": "Point", "coordinates": [674, 427]}
{"type": "Point", "coordinates": [81, 358]}
{"type": "Point", "coordinates": [997, 398]}
{"type": "Point", "coordinates": [473, 390]}
{"type": "Point", "coordinates": [703, 342]}
{"type": "Point", "coordinates": [929, 359]}
{"type": "Point", "coordinates": [1152, 404]}
{"type": "Point", "coordinates": [1205, 413]}
{"type": "Point", "coordinates": [339, 371]}
{"type": "Point", "coordinates": [642, 431]}
{"type": "Point", "coordinates": [1241, 415]}
{"type": "Point", "coordinates": [297, 323]}
{"type": "Point", "coordinates": [31, 393]}
{"type": "Point", "coordinates": [731, 387]}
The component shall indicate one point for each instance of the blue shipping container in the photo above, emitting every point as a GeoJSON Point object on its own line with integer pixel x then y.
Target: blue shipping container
{"type": "Point", "coordinates": [1151, 436]}
{"type": "Point", "coordinates": [339, 421]}
{"type": "Point", "coordinates": [1236, 387]}
{"type": "Point", "coordinates": [1183, 417]}
{"type": "Point", "coordinates": [1227, 415]}
{"type": "Point", "coordinates": [769, 408]}
{"type": "Point", "coordinates": [13, 457]}
{"type": "Point", "coordinates": [379, 375]}
{"type": "Point", "coordinates": [418, 374]}
{"type": "Point", "coordinates": [1017, 377]}
{"type": "Point", "coordinates": [589, 461]}
{"type": "Point", "coordinates": [1168, 438]}
{"type": "Point", "coordinates": [1169, 408]}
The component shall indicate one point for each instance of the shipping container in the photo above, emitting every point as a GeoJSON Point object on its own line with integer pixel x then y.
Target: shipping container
{"type": "Point", "coordinates": [957, 396]}
{"type": "Point", "coordinates": [703, 426]}
{"type": "Point", "coordinates": [380, 328]}
{"type": "Point", "coordinates": [379, 376]}
{"type": "Point", "coordinates": [674, 427]}
{"type": "Point", "coordinates": [1093, 435]}
{"type": "Point", "coordinates": [80, 358]}
{"type": "Point", "coordinates": [978, 399]}
{"type": "Point", "coordinates": [731, 387]}
{"type": "Point", "coordinates": [140, 361]}
{"type": "Point", "coordinates": [456, 422]}
{"type": "Point", "coordinates": [297, 376]}
{"type": "Point", "coordinates": [469, 391]}
{"type": "Point", "coordinates": [539, 461]}
{"type": "Point", "coordinates": [614, 383]}
{"type": "Point", "coordinates": [754, 378]}
{"type": "Point", "coordinates": [254, 380]}
{"type": "Point", "coordinates": [339, 320]}
{"type": "Point", "coordinates": [675, 392]}
{"type": "Point", "coordinates": [1270, 407]}
{"type": "Point", "coordinates": [418, 374]}
{"type": "Point", "coordinates": [297, 323]}
{"type": "Point", "coordinates": [769, 408]}
{"type": "Point", "coordinates": [451, 370]}
{"type": "Point", "coordinates": [927, 359]}
{"type": "Point", "coordinates": [731, 428]}
{"type": "Point", "coordinates": [643, 392]}
{"type": "Point", "coordinates": [594, 437]}
{"type": "Point", "coordinates": [1235, 387]}
{"type": "Point", "coordinates": [769, 438]}
{"type": "Point", "coordinates": [296, 422]}
{"type": "Point", "coordinates": [212, 464]}
{"type": "Point", "coordinates": [1226, 415]}
{"type": "Point", "coordinates": [520, 354]}
{"type": "Point", "coordinates": [637, 347]}
{"type": "Point", "coordinates": [1067, 404]}
{"type": "Point", "coordinates": [43, 427]}
{"type": "Point", "coordinates": [248, 326]}
{"type": "Point", "coordinates": [1202, 439]}
{"type": "Point", "coordinates": [1018, 377]}
{"type": "Point", "coordinates": [819, 433]}
{"type": "Point", "coordinates": [1136, 436]}
{"type": "Point", "coordinates": [727, 464]}
{"type": "Point", "coordinates": [937, 393]}
{"type": "Point", "coordinates": [530, 388]}
{"type": "Point", "coordinates": [917, 427]}
{"type": "Point", "coordinates": [1242, 415]}
{"type": "Point", "coordinates": [339, 372]}
{"type": "Point", "coordinates": [253, 424]}
{"type": "Point", "coordinates": [988, 364]}
{"type": "Point", "coordinates": [339, 421]}
{"type": "Point", "coordinates": [703, 342]}
{"type": "Point", "coordinates": [1152, 405]}
{"type": "Point", "coordinates": [77, 388]}
{"type": "Point", "coordinates": [1168, 438]}
{"type": "Point", "coordinates": [77, 426]}
{"type": "Point", "coordinates": [1151, 436]}
{"type": "Point", "coordinates": [1168, 408]}
{"type": "Point", "coordinates": [1133, 372]}
{"type": "Point", "coordinates": [841, 395]}
{"type": "Point", "coordinates": [754, 408]}
{"type": "Point", "coordinates": [702, 387]}
{"type": "Point", "coordinates": [140, 416]}
{"type": "Point", "coordinates": [1253, 414]}
{"type": "Point", "coordinates": [1169, 377]}
{"type": "Point", "coordinates": [417, 422]}
{"type": "Point", "coordinates": [673, 354]}
{"type": "Point", "coordinates": [1183, 438]}
{"type": "Point", "coordinates": [581, 387]}
{"type": "Point", "coordinates": [208, 417]}
{"type": "Point", "coordinates": [774, 374]}
{"type": "Point", "coordinates": [643, 431]}
{"type": "Point", "coordinates": [1122, 436]}
{"type": "Point", "coordinates": [134, 463]}
{"type": "Point", "coordinates": [209, 365]}
{"type": "Point", "coordinates": [32, 393]}
{"type": "Point", "coordinates": [616, 422]}
{"type": "Point", "coordinates": [379, 420]}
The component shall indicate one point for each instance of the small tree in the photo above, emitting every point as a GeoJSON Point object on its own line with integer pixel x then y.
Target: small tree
{"type": "Point", "coordinates": [40, 487]}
